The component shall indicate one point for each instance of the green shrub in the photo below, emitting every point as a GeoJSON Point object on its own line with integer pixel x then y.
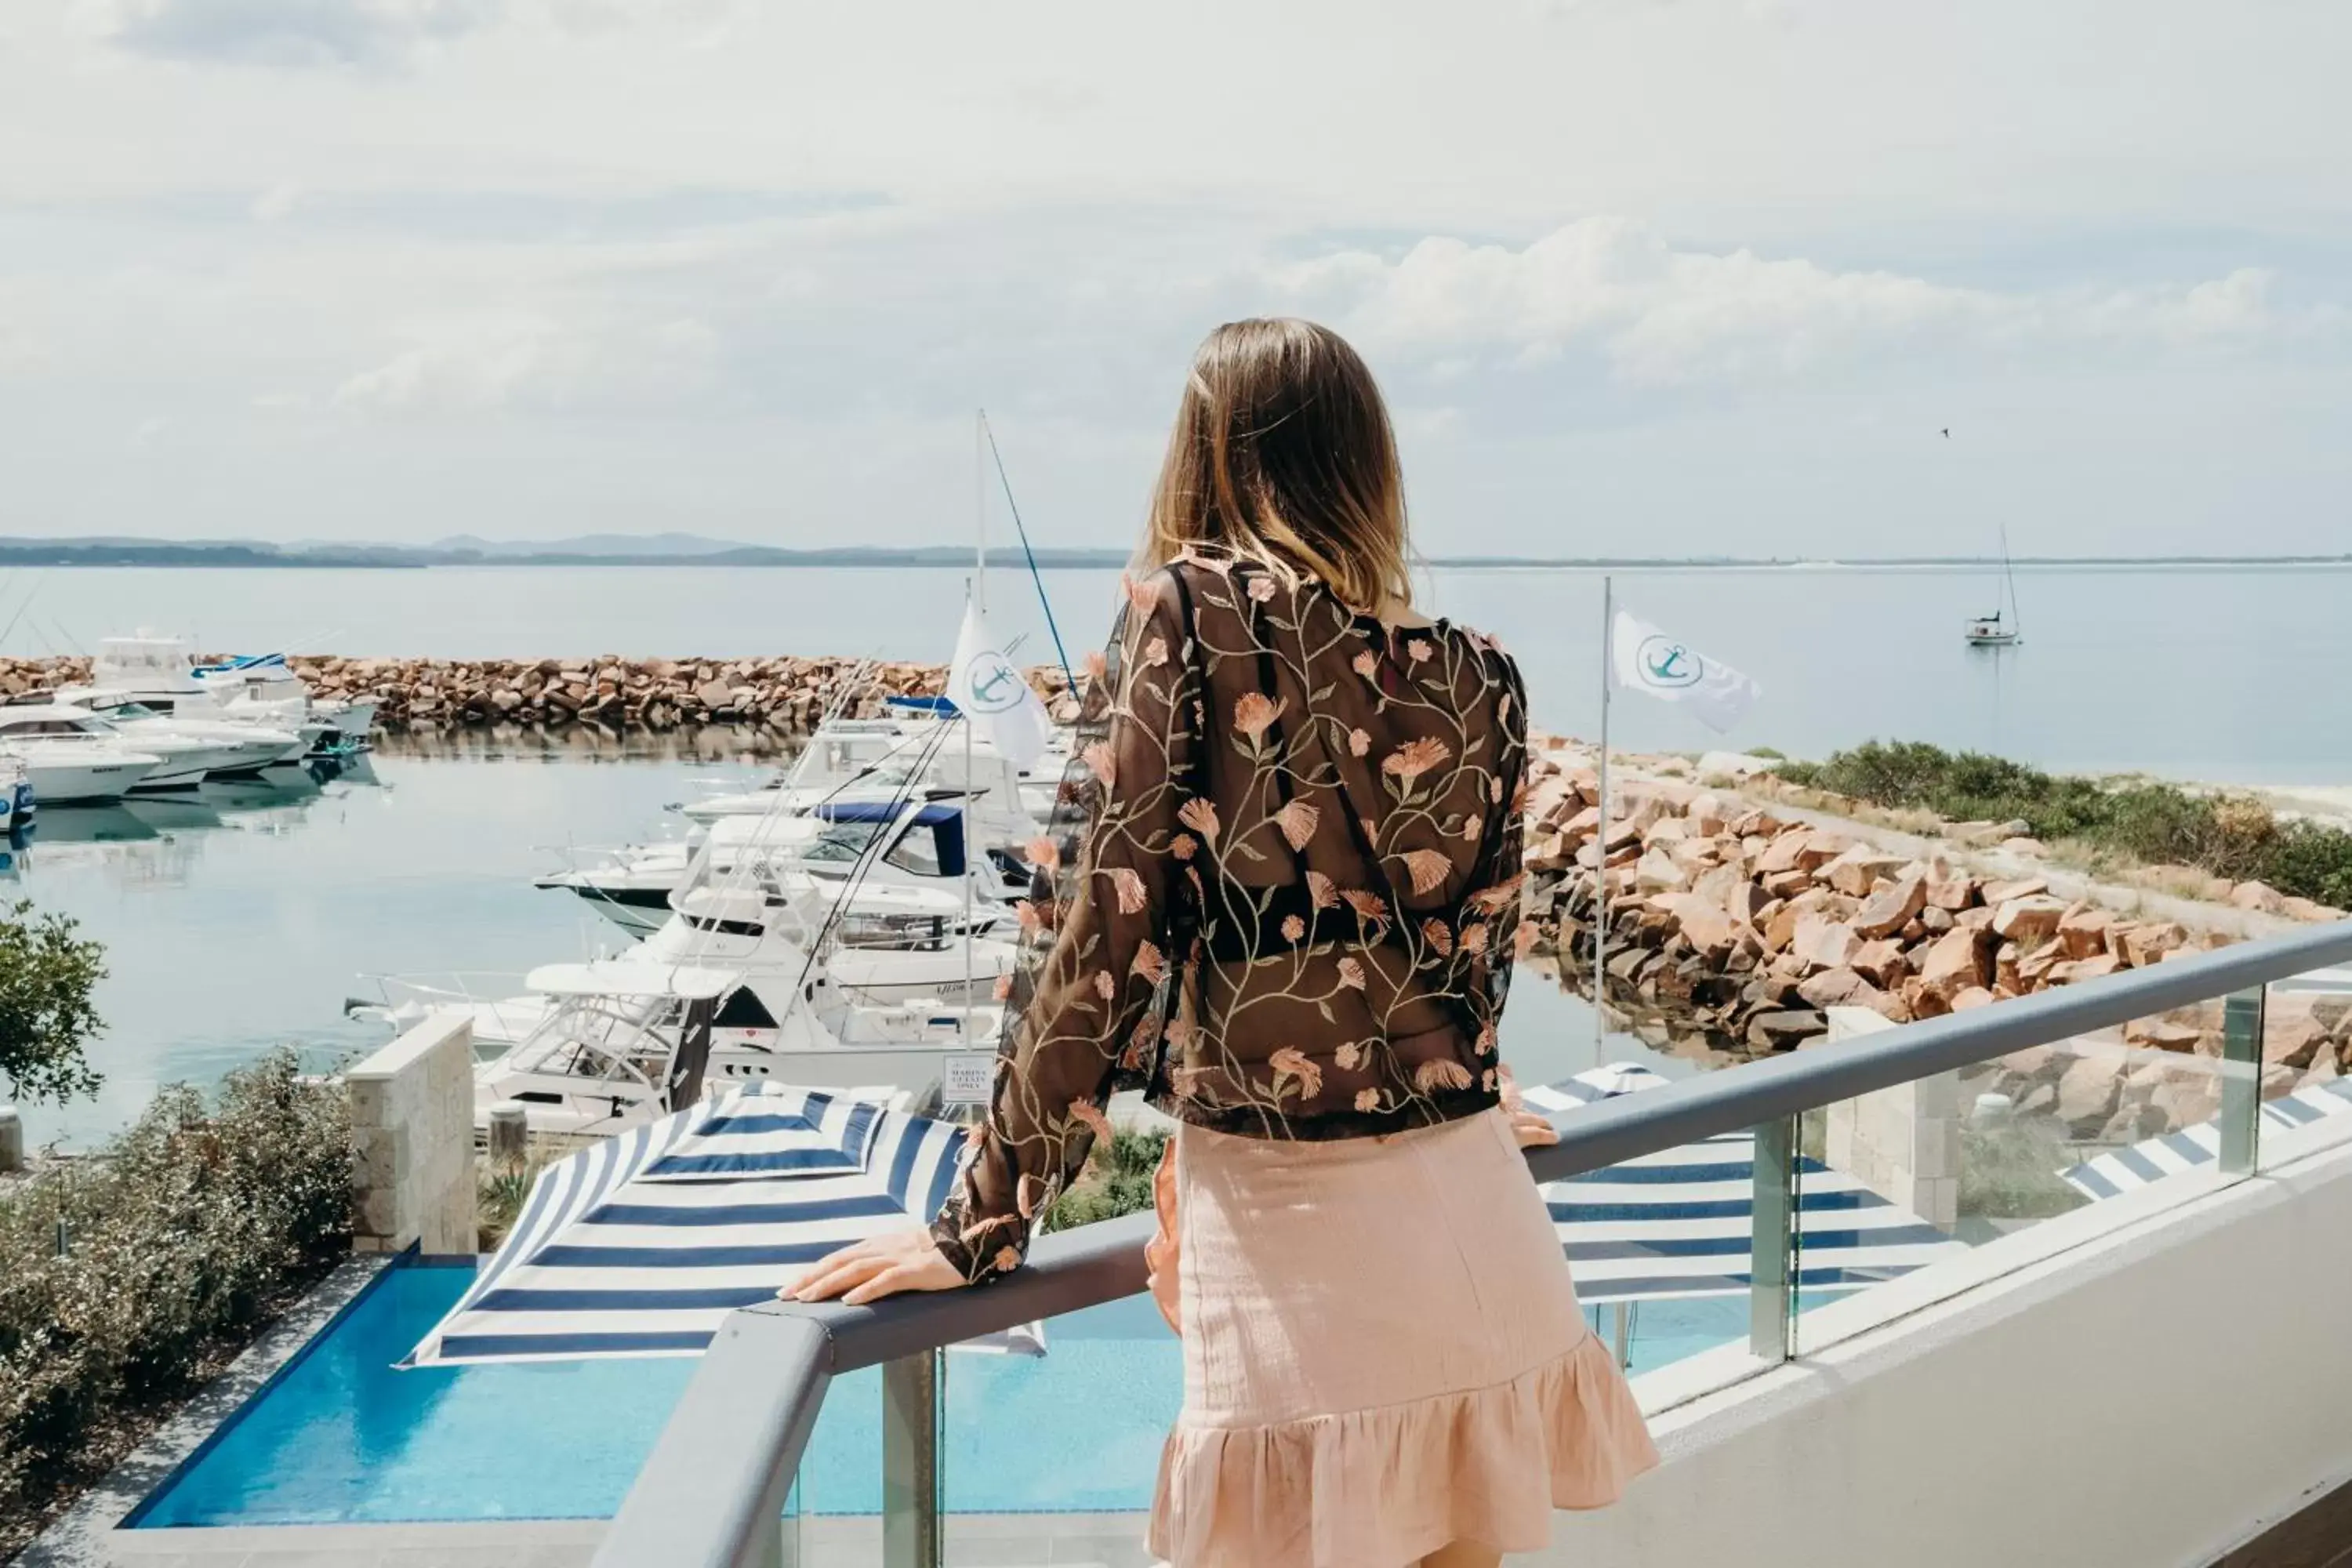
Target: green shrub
{"type": "Point", "coordinates": [47, 1019]}
{"type": "Point", "coordinates": [2228, 836]}
{"type": "Point", "coordinates": [1115, 1183]}
{"type": "Point", "coordinates": [180, 1237]}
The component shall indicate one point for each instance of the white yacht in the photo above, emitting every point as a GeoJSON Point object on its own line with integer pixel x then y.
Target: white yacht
{"type": "Point", "coordinates": [160, 673]}
{"type": "Point", "coordinates": [718, 995]}
{"type": "Point", "coordinates": [183, 761]}
{"type": "Point", "coordinates": [902, 867]}
{"type": "Point", "coordinates": [68, 755]}
{"type": "Point", "coordinates": [863, 757]}
{"type": "Point", "coordinates": [231, 749]}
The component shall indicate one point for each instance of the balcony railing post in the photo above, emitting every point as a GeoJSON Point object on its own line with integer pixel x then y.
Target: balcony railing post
{"type": "Point", "coordinates": [910, 1461]}
{"type": "Point", "coordinates": [2241, 1077]}
{"type": "Point", "coordinates": [1773, 1214]}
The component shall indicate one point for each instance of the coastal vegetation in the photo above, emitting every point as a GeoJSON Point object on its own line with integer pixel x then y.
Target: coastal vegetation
{"type": "Point", "coordinates": [1116, 1180]}
{"type": "Point", "coordinates": [47, 974]}
{"type": "Point", "coordinates": [130, 1277]}
{"type": "Point", "coordinates": [2225, 834]}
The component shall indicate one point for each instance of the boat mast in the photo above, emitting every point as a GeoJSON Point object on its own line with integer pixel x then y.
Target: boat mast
{"type": "Point", "coordinates": [2008, 573]}
{"type": "Point", "coordinates": [979, 603]}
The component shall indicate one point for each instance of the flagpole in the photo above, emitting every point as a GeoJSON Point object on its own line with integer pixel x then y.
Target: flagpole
{"type": "Point", "coordinates": [1601, 841]}
{"type": "Point", "coordinates": [980, 506]}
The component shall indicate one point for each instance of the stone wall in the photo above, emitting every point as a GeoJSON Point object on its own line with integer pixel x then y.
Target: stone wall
{"type": "Point", "coordinates": [412, 1141]}
{"type": "Point", "coordinates": [1748, 926]}
{"type": "Point", "coordinates": [1903, 1143]}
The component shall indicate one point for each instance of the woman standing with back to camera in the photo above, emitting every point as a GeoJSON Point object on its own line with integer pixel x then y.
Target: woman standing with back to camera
{"type": "Point", "coordinates": [1290, 910]}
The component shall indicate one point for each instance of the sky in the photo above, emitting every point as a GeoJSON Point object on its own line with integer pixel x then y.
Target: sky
{"type": "Point", "coordinates": [1655, 276]}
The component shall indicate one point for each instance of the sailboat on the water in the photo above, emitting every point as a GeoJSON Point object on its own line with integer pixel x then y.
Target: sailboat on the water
{"type": "Point", "coordinates": [1999, 629]}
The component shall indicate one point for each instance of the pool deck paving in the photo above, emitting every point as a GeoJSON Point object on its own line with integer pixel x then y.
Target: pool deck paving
{"type": "Point", "coordinates": [991, 1541]}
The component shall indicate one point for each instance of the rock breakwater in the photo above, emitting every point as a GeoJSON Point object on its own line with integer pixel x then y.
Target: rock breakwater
{"type": "Point", "coordinates": [1746, 927]}
{"type": "Point", "coordinates": [784, 694]}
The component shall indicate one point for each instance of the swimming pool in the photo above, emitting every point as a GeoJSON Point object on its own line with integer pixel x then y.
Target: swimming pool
{"type": "Point", "coordinates": [341, 1437]}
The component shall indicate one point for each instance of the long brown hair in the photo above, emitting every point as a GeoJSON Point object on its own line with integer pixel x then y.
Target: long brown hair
{"type": "Point", "coordinates": [1283, 453]}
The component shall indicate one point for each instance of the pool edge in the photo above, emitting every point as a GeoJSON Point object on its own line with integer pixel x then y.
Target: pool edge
{"type": "Point", "coordinates": [83, 1536]}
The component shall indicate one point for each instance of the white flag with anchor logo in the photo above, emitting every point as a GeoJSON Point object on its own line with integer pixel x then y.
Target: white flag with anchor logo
{"type": "Point", "coordinates": [1644, 658]}
{"type": "Point", "coordinates": [989, 689]}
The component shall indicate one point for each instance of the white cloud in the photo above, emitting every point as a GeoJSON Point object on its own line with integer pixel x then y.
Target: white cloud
{"type": "Point", "coordinates": [308, 34]}
{"type": "Point", "coordinates": [288, 33]}
{"type": "Point", "coordinates": [276, 202]}
{"type": "Point", "coordinates": [1660, 316]}
{"type": "Point", "coordinates": [483, 365]}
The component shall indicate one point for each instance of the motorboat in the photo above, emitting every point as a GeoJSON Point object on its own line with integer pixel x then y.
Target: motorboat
{"type": "Point", "coordinates": [68, 758]}
{"type": "Point", "coordinates": [870, 758]}
{"type": "Point", "coordinates": [265, 687]}
{"type": "Point", "coordinates": [1040, 783]}
{"type": "Point", "coordinates": [913, 872]}
{"type": "Point", "coordinates": [179, 761]}
{"type": "Point", "coordinates": [232, 748]}
{"type": "Point", "coordinates": [160, 673]}
{"type": "Point", "coordinates": [595, 1048]}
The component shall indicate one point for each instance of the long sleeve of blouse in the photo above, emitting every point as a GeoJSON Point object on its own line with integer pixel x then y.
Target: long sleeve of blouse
{"type": "Point", "coordinates": [1081, 1008]}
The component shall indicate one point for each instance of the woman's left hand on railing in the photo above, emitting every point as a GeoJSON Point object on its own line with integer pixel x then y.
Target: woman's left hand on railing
{"type": "Point", "coordinates": [877, 1266]}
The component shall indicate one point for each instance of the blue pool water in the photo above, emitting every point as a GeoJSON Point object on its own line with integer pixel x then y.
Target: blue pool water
{"type": "Point", "coordinates": [342, 1437]}
{"type": "Point", "coordinates": [339, 1436]}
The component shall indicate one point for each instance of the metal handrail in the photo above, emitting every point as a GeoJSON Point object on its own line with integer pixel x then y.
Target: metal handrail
{"type": "Point", "coordinates": [711, 1493]}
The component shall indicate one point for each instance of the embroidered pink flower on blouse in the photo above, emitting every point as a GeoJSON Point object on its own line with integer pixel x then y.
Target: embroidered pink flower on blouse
{"type": "Point", "coordinates": [1351, 974]}
{"type": "Point", "coordinates": [1368, 1101]}
{"type": "Point", "coordinates": [1253, 715]}
{"type": "Point", "coordinates": [1043, 853]}
{"type": "Point", "coordinates": [1321, 891]}
{"type": "Point", "coordinates": [1289, 1062]}
{"type": "Point", "coordinates": [1358, 742]}
{"type": "Point", "coordinates": [1370, 908]}
{"type": "Point", "coordinates": [1262, 589]}
{"type": "Point", "coordinates": [1148, 962]}
{"type": "Point", "coordinates": [1437, 1073]}
{"type": "Point", "coordinates": [1201, 817]}
{"type": "Point", "coordinates": [1435, 932]}
{"type": "Point", "coordinates": [1418, 650]}
{"type": "Point", "coordinates": [1293, 927]}
{"type": "Point", "coordinates": [1155, 652]}
{"type": "Point", "coordinates": [1129, 886]}
{"type": "Point", "coordinates": [1428, 868]}
{"type": "Point", "coordinates": [1347, 1056]}
{"type": "Point", "coordinates": [1183, 846]}
{"type": "Point", "coordinates": [1298, 821]}
{"type": "Point", "coordinates": [1105, 987]}
{"type": "Point", "coordinates": [1100, 762]}
{"type": "Point", "coordinates": [1366, 664]}
{"type": "Point", "coordinates": [1415, 757]}
{"type": "Point", "coordinates": [1141, 597]}
{"type": "Point", "coordinates": [1089, 1115]}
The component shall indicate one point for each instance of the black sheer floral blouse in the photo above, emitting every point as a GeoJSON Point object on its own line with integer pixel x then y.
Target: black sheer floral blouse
{"type": "Point", "coordinates": [1285, 890]}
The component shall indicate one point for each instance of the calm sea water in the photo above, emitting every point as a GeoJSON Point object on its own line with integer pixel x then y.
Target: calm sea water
{"type": "Point", "coordinates": [2225, 674]}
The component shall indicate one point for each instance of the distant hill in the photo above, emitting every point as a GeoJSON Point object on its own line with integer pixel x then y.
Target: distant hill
{"type": "Point", "coordinates": [617, 550]}
{"type": "Point", "coordinates": [603, 546]}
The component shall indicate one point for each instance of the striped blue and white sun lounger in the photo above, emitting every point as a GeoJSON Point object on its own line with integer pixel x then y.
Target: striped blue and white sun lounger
{"type": "Point", "coordinates": [2169, 1154]}
{"type": "Point", "coordinates": [1677, 1225]}
{"type": "Point", "coordinates": [636, 1247]}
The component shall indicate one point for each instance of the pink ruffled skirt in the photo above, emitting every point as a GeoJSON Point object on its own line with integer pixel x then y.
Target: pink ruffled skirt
{"type": "Point", "coordinates": [1383, 1354]}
